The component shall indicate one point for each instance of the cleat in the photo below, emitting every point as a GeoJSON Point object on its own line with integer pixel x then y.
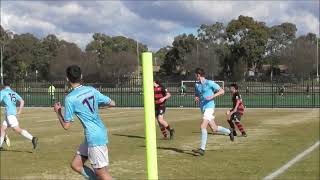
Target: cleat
{"type": "Point", "coordinates": [34, 142]}
{"type": "Point", "coordinates": [172, 132]}
{"type": "Point", "coordinates": [199, 151]}
{"type": "Point", "coordinates": [231, 135]}
{"type": "Point", "coordinates": [234, 132]}
{"type": "Point", "coordinates": [7, 141]}
{"type": "Point", "coordinates": [244, 134]}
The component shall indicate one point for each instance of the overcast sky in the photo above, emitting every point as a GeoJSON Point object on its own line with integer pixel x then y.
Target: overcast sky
{"type": "Point", "coordinates": [154, 23]}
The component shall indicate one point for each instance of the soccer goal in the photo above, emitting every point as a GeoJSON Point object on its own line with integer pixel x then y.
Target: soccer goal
{"type": "Point", "coordinates": [185, 83]}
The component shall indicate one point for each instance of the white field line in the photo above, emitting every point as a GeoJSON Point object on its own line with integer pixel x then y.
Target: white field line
{"type": "Point", "coordinates": [291, 162]}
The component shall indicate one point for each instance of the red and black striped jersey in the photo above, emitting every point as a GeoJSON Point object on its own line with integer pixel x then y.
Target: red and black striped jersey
{"type": "Point", "coordinates": [235, 98]}
{"type": "Point", "coordinates": [159, 92]}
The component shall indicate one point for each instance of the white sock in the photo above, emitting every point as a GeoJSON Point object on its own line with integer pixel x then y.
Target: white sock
{"type": "Point", "coordinates": [223, 130]}
{"type": "Point", "coordinates": [204, 135]}
{"type": "Point", "coordinates": [26, 134]}
{"type": "Point", "coordinates": [1, 140]}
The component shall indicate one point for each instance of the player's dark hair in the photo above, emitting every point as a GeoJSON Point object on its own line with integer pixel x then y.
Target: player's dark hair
{"type": "Point", "coordinates": [200, 71]}
{"type": "Point", "coordinates": [74, 73]}
{"type": "Point", "coordinates": [158, 81]}
{"type": "Point", "coordinates": [7, 82]}
{"type": "Point", "coordinates": [234, 85]}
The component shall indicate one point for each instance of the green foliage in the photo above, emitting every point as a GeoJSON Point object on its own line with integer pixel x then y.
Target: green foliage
{"type": "Point", "coordinates": [225, 51]}
{"type": "Point", "coordinates": [25, 54]}
{"type": "Point", "coordinates": [249, 39]}
{"type": "Point", "coordinates": [175, 58]}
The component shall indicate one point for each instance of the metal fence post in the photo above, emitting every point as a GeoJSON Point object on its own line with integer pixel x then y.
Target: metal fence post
{"type": "Point", "coordinates": [272, 95]}
{"type": "Point", "coordinates": [312, 93]}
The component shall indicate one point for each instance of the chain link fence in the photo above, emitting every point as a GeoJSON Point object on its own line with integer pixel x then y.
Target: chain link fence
{"type": "Point", "coordinates": [127, 92]}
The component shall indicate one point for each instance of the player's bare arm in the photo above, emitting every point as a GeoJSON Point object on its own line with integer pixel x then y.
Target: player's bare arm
{"type": "Point", "coordinates": [219, 93]}
{"type": "Point", "coordinates": [168, 95]}
{"type": "Point", "coordinates": [110, 104]}
{"type": "Point", "coordinates": [57, 109]}
{"type": "Point", "coordinates": [196, 98]}
{"type": "Point", "coordinates": [236, 107]}
{"type": "Point", "coordinates": [20, 106]}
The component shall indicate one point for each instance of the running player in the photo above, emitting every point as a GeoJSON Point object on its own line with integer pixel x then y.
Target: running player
{"type": "Point", "coordinates": [234, 115]}
{"type": "Point", "coordinates": [6, 138]}
{"type": "Point", "coordinates": [83, 101]}
{"type": "Point", "coordinates": [10, 99]}
{"type": "Point", "coordinates": [205, 92]}
{"type": "Point", "coordinates": [161, 94]}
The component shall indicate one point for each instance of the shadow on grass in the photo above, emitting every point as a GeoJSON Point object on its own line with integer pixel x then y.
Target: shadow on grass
{"type": "Point", "coordinates": [175, 150]}
{"type": "Point", "coordinates": [129, 136]}
{"type": "Point", "coordinates": [14, 150]}
{"type": "Point", "coordinates": [209, 133]}
{"type": "Point", "coordinates": [141, 137]}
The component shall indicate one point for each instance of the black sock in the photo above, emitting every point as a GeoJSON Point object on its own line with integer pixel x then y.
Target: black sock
{"type": "Point", "coordinates": [231, 124]}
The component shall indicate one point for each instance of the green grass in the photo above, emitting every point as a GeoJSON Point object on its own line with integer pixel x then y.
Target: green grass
{"type": "Point", "coordinates": [275, 136]}
{"type": "Point", "coordinates": [308, 168]}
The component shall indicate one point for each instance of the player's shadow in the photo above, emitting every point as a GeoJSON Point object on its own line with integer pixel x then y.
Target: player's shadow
{"type": "Point", "coordinates": [211, 133]}
{"type": "Point", "coordinates": [130, 136]}
{"type": "Point", "coordinates": [16, 151]}
{"type": "Point", "coordinates": [175, 150]}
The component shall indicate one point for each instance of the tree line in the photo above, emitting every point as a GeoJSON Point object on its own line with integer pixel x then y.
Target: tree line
{"type": "Point", "coordinates": [239, 50]}
{"type": "Point", "coordinates": [26, 57]}
{"type": "Point", "coordinates": [243, 49]}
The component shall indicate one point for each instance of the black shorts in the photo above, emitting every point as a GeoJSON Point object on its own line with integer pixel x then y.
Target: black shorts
{"type": "Point", "coordinates": [160, 110]}
{"type": "Point", "coordinates": [236, 116]}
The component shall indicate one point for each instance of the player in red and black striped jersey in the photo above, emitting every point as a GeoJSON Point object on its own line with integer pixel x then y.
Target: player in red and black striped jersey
{"type": "Point", "coordinates": [161, 94]}
{"type": "Point", "coordinates": [234, 115]}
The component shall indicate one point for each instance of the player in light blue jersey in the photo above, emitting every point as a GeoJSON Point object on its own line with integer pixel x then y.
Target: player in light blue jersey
{"type": "Point", "coordinates": [10, 99]}
{"type": "Point", "coordinates": [205, 92]}
{"type": "Point", "coordinates": [83, 101]}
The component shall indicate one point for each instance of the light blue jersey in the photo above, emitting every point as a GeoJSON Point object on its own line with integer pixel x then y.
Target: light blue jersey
{"type": "Point", "coordinates": [10, 99]}
{"type": "Point", "coordinates": [205, 89]}
{"type": "Point", "coordinates": [83, 101]}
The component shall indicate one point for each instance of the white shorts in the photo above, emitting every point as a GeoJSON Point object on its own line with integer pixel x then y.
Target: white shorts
{"type": "Point", "coordinates": [11, 121]}
{"type": "Point", "coordinates": [208, 114]}
{"type": "Point", "coordinates": [97, 155]}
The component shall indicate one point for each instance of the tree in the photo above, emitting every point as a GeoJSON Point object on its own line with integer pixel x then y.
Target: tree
{"type": "Point", "coordinates": [175, 57]}
{"type": "Point", "coordinates": [120, 64]}
{"type": "Point", "coordinates": [160, 55]}
{"type": "Point", "coordinates": [115, 51]}
{"type": "Point", "coordinates": [205, 57]}
{"type": "Point", "coordinates": [280, 36]}
{"type": "Point", "coordinates": [5, 37]}
{"type": "Point", "coordinates": [215, 33]}
{"type": "Point", "coordinates": [19, 55]}
{"type": "Point", "coordinates": [300, 56]}
{"type": "Point", "coordinates": [248, 39]}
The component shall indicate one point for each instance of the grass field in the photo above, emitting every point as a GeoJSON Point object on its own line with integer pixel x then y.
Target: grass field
{"type": "Point", "coordinates": [275, 136]}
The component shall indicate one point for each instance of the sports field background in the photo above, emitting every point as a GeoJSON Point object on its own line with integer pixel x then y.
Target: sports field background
{"type": "Point", "coordinates": [128, 93]}
{"type": "Point", "coordinates": [275, 136]}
